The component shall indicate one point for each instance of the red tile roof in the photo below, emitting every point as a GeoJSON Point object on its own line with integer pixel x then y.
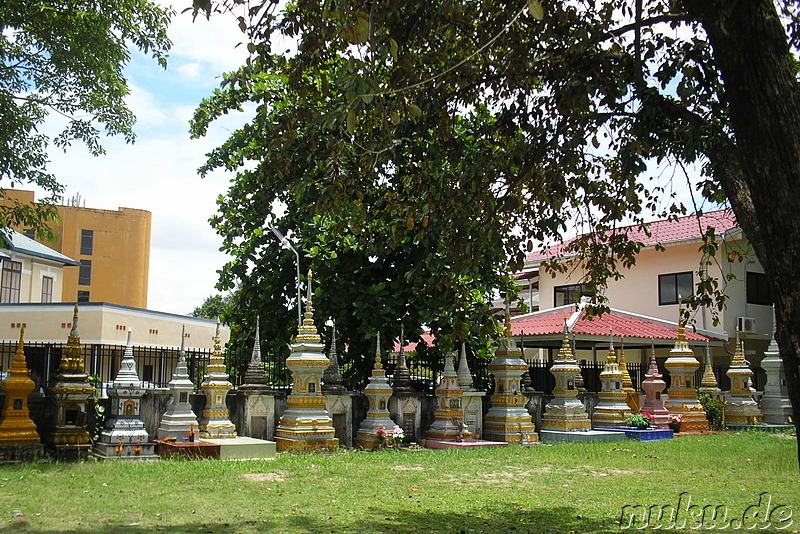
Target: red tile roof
{"type": "Point", "coordinates": [427, 337]}
{"type": "Point", "coordinates": [550, 322]}
{"type": "Point", "coordinates": [664, 231]}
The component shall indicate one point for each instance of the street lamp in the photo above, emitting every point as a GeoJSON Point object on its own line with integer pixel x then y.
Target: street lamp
{"type": "Point", "coordinates": [288, 244]}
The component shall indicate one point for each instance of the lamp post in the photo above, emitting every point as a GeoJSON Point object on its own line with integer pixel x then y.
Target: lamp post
{"type": "Point", "coordinates": [288, 244]}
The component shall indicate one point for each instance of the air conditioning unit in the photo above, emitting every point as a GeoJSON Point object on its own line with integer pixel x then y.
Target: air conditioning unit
{"type": "Point", "coordinates": [746, 325]}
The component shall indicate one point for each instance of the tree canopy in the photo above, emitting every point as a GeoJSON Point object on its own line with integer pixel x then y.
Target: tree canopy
{"type": "Point", "coordinates": [63, 62]}
{"type": "Point", "coordinates": [494, 125]}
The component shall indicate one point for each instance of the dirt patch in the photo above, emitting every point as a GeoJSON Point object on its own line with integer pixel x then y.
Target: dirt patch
{"type": "Point", "coordinates": [264, 477]}
{"type": "Point", "coordinates": [411, 468]}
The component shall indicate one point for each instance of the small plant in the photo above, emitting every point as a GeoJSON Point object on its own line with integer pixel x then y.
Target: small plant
{"type": "Point", "coordinates": [640, 421]}
{"type": "Point", "coordinates": [676, 418]}
{"type": "Point", "coordinates": [381, 436]}
{"type": "Point", "coordinates": [714, 409]}
{"type": "Point", "coordinates": [397, 436]}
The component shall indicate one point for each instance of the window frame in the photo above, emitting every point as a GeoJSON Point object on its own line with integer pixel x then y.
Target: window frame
{"type": "Point", "coordinates": [674, 299]}
{"type": "Point", "coordinates": [47, 289]}
{"type": "Point", "coordinates": [756, 286]}
{"type": "Point", "coordinates": [82, 296]}
{"type": "Point", "coordinates": [85, 273]}
{"type": "Point", "coordinates": [581, 288]}
{"type": "Point", "coordinates": [10, 281]}
{"type": "Point", "coordinates": [87, 242]}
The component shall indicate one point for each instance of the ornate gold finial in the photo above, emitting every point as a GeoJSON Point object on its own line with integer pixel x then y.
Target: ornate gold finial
{"type": "Point", "coordinates": [681, 321]}
{"type": "Point", "coordinates": [612, 355]}
{"type": "Point", "coordinates": [566, 351]}
{"type": "Point", "coordinates": [378, 364]}
{"type": "Point", "coordinates": [310, 278]}
{"type": "Point", "coordinates": [21, 344]}
{"type": "Point", "coordinates": [738, 353]}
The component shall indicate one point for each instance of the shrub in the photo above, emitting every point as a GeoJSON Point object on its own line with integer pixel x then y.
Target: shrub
{"type": "Point", "coordinates": [714, 409]}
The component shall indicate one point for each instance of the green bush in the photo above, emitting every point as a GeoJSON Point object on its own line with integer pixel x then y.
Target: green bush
{"type": "Point", "coordinates": [714, 409]}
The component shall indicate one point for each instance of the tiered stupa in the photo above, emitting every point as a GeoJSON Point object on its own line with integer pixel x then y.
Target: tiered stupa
{"type": "Point", "coordinates": [306, 425]}
{"type": "Point", "coordinates": [508, 420]}
{"type": "Point", "coordinates": [179, 421]}
{"type": "Point", "coordinates": [72, 395]}
{"type": "Point", "coordinates": [332, 377]}
{"type": "Point", "coordinates": [464, 375]}
{"type": "Point", "coordinates": [708, 384]}
{"type": "Point", "coordinates": [401, 379]}
{"type": "Point", "coordinates": [611, 409]}
{"type": "Point", "coordinates": [255, 378]}
{"type": "Point", "coordinates": [565, 412]}
{"type": "Point", "coordinates": [124, 436]}
{"type": "Point", "coordinates": [631, 397]}
{"type": "Point", "coordinates": [740, 407]}
{"type": "Point", "coordinates": [682, 395]}
{"type": "Point", "coordinates": [775, 403]}
{"type": "Point", "coordinates": [653, 385]}
{"type": "Point", "coordinates": [378, 393]}
{"type": "Point", "coordinates": [18, 436]}
{"type": "Point", "coordinates": [215, 420]}
{"type": "Point", "coordinates": [448, 424]}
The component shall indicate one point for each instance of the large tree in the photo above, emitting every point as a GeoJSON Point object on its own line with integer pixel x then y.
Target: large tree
{"type": "Point", "coordinates": [63, 62]}
{"type": "Point", "coordinates": [578, 106]}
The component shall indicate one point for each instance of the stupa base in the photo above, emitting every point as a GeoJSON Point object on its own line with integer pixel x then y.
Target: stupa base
{"type": "Point", "coordinates": [581, 436]}
{"type": "Point", "coordinates": [306, 445]}
{"type": "Point", "coordinates": [128, 452]}
{"type": "Point", "coordinates": [244, 448]}
{"type": "Point", "coordinates": [463, 444]}
{"type": "Point", "coordinates": [565, 425]}
{"type": "Point", "coordinates": [72, 452]}
{"type": "Point", "coordinates": [20, 453]}
{"type": "Point", "coordinates": [187, 450]}
{"type": "Point", "coordinates": [763, 427]}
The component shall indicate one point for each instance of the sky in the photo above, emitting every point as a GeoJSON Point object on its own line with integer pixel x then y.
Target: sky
{"type": "Point", "coordinates": [158, 172]}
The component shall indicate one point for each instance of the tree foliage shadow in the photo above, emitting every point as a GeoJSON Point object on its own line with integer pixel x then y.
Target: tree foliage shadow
{"type": "Point", "coordinates": [494, 520]}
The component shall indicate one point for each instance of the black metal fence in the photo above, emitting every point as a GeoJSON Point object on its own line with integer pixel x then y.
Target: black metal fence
{"type": "Point", "coordinates": [155, 366]}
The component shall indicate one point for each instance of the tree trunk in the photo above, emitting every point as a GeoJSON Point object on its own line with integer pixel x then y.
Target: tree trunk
{"type": "Point", "coordinates": [751, 50]}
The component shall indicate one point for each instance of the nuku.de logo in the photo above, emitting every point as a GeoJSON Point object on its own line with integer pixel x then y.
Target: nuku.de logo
{"type": "Point", "coordinates": [760, 516]}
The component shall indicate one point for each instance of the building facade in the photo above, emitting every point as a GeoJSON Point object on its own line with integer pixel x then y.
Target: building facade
{"type": "Point", "coordinates": [112, 248]}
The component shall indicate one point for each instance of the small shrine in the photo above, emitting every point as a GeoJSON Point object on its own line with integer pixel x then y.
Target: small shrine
{"type": "Point", "coordinates": [179, 422]}
{"type": "Point", "coordinates": [215, 420]}
{"type": "Point", "coordinates": [72, 398]}
{"type": "Point", "coordinates": [448, 424]}
{"type": "Point", "coordinates": [18, 437]}
{"type": "Point", "coordinates": [306, 425]}
{"type": "Point", "coordinates": [708, 384]}
{"type": "Point", "coordinates": [740, 406]}
{"type": "Point", "coordinates": [653, 386]}
{"type": "Point", "coordinates": [464, 374]}
{"type": "Point", "coordinates": [378, 392]}
{"type": "Point", "coordinates": [471, 398]}
{"type": "Point", "coordinates": [631, 397]}
{"type": "Point", "coordinates": [565, 412]}
{"type": "Point", "coordinates": [611, 409]}
{"type": "Point", "coordinates": [255, 378]}
{"type": "Point", "coordinates": [401, 379]}
{"type": "Point", "coordinates": [124, 436]}
{"type": "Point", "coordinates": [682, 395]}
{"type": "Point", "coordinates": [507, 419]}
{"type": "Point", "coordinates": [775, 402]}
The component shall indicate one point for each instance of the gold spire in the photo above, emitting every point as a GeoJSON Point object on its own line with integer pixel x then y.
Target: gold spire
{"type": "Point", "coordinates": [565, 353]}
{"type": "Point", "coordinates": [623, 366]}
{"type": "Point", "coordinates": [738, 354]}
{"type": "Point", "coordinates": [378, 364]}
{"type": "Point", "coordinates": [612, 356]}
{"type": "Point", "coordinates": [508, 332]}
{"type": "Point", "coordinates": [681, 321]}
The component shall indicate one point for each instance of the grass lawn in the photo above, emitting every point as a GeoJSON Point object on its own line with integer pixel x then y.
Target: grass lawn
{"type": "Point", "coordinates": [547, 488]}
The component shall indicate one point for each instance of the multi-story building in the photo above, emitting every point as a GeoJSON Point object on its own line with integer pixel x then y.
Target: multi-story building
{"type": "Point", "coordinates": [653, 287]}
{"type": "Point", "coordinates": [111, 246]}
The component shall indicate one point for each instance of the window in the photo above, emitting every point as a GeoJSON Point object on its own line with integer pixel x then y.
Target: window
{"type": "Point", "coordinates": [87, 242]}
{"type": "Point", "coordinates": [85, 273]}
{"type": "Point", "coordinates": [9, 284]}
{"type": "Point", "coordinates": [29, 232]}
{"type": "Point", "coordinates": [672, 286]}
{"type": "Point", "coordinates": [47, 289]}
{"type": "Point", "coordinates": [570, 294]}
{"type": "Point", "coordinates": [83, 296]}
{"type": "Point", "coordinates": [758, 289]}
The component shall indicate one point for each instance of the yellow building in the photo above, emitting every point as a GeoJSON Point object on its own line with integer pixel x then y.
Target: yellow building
{"type": "Point", "coordinates": [112, 246]}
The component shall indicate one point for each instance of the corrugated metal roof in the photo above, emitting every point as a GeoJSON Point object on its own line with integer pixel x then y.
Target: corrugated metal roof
{"type": "Point", "coordinates": [664, 231]}
{"type": "Point", "coordinates": [17, 242]}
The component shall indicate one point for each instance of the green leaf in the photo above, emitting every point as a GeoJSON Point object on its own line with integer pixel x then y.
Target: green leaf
{"type": "Point", "coordinates": [535, 9]}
